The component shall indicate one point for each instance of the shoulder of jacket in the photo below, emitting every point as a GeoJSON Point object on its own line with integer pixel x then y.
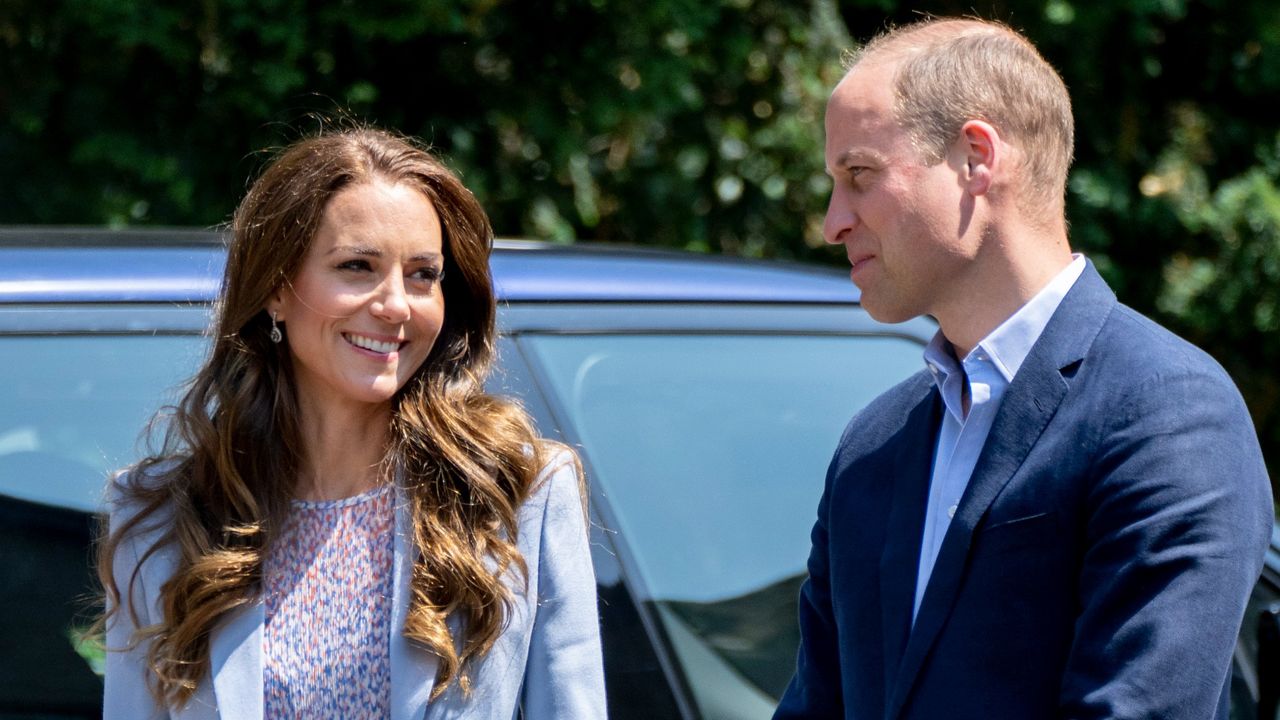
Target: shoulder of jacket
{"type": "Point", "coordinates": [1145, 352]}
{"type": "Point", "coordinates": [124, 504]}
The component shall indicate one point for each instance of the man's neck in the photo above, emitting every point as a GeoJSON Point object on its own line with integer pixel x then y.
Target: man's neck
{"type": "Point", "coordinates": [998, 283]}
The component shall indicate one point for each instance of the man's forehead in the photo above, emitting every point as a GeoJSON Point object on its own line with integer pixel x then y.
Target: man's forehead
{"type": "Point", "coordinates": [877, 72]}
{"type": "Point", "coordinates": [863, 100]}
{"type": "Point", "coordinates": [860, 109]}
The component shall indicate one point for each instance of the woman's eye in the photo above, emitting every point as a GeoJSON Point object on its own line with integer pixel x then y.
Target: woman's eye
{"type": "Point", "coordinates": [357, 265]}
{"type": "Point", "coordinates": [428, 274]}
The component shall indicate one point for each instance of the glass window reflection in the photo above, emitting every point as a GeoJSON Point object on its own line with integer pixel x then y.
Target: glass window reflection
{"type": "Point", "coordinates": [712, 450]}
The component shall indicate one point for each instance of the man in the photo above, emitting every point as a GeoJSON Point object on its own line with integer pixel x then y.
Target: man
{"type": "Point", "coordinates": [1062, 516]}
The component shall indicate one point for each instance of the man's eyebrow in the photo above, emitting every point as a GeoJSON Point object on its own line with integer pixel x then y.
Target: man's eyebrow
{"type": "Point", "coordinates": [854, 156]}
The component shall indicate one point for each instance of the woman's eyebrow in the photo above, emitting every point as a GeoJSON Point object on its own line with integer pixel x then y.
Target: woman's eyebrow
{"type": "Point", "coordinates": [366, 251]}
{"type": "Point", "coordinates": [355, 250]}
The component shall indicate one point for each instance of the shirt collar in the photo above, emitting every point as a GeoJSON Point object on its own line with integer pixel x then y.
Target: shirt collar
{"type": "Point", "coordinates": [1009, 344]}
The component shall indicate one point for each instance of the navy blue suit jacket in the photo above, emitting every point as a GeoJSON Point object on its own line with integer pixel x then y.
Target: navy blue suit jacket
{"type": "Point", "coordinates": [1100, 559]}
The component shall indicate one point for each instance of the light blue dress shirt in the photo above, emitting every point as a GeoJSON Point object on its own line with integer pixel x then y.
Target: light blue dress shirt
{"type": "Point", "coordinates": [988, 369]}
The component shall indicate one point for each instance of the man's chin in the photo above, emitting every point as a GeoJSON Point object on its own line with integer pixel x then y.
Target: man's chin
{"type": "Point", "coordinates": [890, 313]}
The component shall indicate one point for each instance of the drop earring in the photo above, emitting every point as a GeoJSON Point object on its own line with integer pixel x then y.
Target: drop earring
{"type": "Point", "coordinates": [276, 336]}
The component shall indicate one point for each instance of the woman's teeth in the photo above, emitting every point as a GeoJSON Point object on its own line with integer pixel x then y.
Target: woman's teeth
{"type": "Point", "coordinates": [371, 344]}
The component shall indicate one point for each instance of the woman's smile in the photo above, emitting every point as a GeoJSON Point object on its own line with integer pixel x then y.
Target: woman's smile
{"type": "Point", "coordinates": [373, 345]}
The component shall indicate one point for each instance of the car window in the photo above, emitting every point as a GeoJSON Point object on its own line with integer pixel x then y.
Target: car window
{"type": "Point", "coordinates": [710, 451]}
{"type": "Point", "coordinates": [73, 407]}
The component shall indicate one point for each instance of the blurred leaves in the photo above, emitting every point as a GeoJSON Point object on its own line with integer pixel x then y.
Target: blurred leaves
{"type": "Point", "coordinates": [684, 123]}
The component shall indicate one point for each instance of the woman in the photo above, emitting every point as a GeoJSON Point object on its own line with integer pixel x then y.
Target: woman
{"type": "Point", "coordinates": [341, 522]}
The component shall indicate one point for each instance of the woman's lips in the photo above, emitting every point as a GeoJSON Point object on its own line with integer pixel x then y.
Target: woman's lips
{"type": "Point", "coordinates": [378, 345]}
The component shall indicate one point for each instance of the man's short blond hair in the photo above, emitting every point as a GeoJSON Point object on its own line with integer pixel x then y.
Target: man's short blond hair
{"type": "Point", "coordinates": [952, 71]}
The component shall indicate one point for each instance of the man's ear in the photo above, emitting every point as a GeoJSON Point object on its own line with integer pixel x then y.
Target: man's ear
{"type": "Point", "coordinates": [984, 153]}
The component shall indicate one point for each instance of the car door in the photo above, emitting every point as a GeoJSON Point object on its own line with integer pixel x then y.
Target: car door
{"type": "Point", "coordinates": [705, 430]}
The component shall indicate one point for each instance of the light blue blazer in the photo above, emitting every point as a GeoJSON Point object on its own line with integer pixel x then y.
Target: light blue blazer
{"type": "Point", "coordinates": [546, 664]}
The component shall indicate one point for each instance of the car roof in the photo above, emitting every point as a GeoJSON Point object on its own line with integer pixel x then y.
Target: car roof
{"type": "Point", "coordinates": [46, 265]}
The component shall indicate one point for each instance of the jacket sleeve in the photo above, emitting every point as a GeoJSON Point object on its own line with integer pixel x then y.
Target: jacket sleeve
{"type": "Point", "coordinates": [1180, 516]}
{"type": "Point", "coordinates": [564, 674]}
{"type": "Point", "coordinates": [814, 691]}
{"type": "Point", "coordinates": [126, 694]}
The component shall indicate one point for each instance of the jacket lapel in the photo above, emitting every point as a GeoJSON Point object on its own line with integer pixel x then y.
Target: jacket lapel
{"type": "Point", "coordinates": [1030, 402]}
{"type": "Point", "coordinates": [911, 472]}
{"type": "Point", "coordinates": [413, 669]}
{"type": "Point", "coordinates": [235, 655]}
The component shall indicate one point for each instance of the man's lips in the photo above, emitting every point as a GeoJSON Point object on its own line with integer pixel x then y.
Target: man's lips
{"type": "Point", "coordinates": [857, 261]}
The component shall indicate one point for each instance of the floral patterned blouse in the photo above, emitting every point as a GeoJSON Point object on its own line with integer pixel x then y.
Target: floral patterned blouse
{"type": "Point", "coordinates": [328, 588]}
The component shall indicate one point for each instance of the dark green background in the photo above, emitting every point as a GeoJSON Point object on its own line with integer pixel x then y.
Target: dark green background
{"type": "Point", "coordinates": [683, 123]}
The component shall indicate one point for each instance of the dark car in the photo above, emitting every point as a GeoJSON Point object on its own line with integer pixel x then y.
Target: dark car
{"type": "Point", "coordinates": [705, 394]}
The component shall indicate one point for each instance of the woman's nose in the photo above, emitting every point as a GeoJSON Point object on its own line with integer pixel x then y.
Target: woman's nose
{"type": "Point", "coordinates": [391, 304]}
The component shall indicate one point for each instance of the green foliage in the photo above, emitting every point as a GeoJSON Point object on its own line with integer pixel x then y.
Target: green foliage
{"type": "Point", "coordinates": [683, 123]}
{"type": "Point", "coordinates": [1225, 295]}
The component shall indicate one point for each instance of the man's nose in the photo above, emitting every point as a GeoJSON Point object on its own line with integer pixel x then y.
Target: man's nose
{"type": "Point", "coordinates": [840, 219]}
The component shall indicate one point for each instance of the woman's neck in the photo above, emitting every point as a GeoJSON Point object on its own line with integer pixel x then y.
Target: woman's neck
{"type": "Point", "coordinates": [343, 450]}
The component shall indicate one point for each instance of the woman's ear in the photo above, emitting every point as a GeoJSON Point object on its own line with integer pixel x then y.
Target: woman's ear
{"type": "Point", "coordinates": [274, 306]}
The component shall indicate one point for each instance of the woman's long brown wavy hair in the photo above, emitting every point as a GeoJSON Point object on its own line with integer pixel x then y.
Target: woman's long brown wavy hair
{"type": "Point", "coordinates": [222, 481]}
